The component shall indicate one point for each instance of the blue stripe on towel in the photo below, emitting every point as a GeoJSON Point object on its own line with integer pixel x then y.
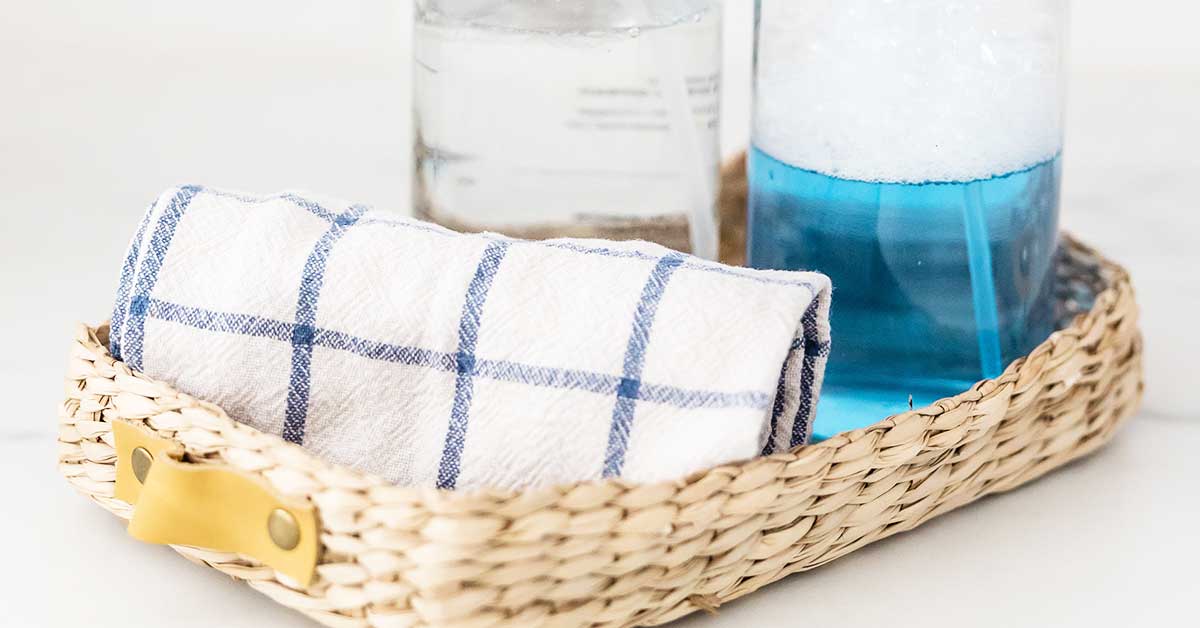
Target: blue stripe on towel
{"type": "Point", "coordinates": [547, 376]}
{"type": "Point", "coordinates": [304, 332]}
{"type": "Point", "coordinates": [814, 349]}
{"type": "Point", "coordinates": [160, 242]}
{"type": "Point", "coordinates": [635, 358]}
{"type": "Point", "coordinates": [780, 396]}
{"type": "Point", "coordinates": [689, 398]}
{"type": "Point", "coordinates": [121, 308]}
{"type": "Point", "coordinates": [242, 324]}
{"type": "Point", "coordinates": [382, 351]}
{"type": "Point", "coordinates": [498, 370]}
{"type": "Point", "coordinates": [468, 338]}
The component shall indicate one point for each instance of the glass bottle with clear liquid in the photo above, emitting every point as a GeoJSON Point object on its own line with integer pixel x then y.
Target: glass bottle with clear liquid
{"type": "Point", "coordinates": [588, 118]}
{"type": "Point", "coordinates": [911, 151]}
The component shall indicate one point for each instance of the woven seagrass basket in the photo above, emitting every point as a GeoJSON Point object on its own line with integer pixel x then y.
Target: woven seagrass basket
{"type": "Point", "coordinates": [611, 553]}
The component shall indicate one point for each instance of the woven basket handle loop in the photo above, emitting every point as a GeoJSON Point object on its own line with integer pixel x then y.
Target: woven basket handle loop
{"type": "Point", "coordinates": [211, 506]}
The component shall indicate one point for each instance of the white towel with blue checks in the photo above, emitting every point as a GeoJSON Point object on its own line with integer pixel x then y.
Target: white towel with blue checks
{"type": "Point", "coordinates": [432, 358]}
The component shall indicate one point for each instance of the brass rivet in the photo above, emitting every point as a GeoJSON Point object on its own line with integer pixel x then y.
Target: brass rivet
{"type": "Point", "coordinates": [141, 460]}
{"type": "Point", "coordinates": [284, 530]}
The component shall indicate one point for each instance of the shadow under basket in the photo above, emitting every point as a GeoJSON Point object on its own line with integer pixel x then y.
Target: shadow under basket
{"type": "Point", "coordinates": [602, 553]}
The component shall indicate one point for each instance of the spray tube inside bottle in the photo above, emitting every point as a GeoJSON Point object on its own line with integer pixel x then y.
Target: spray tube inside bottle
{"type": "Point", "coordinates": [702, 224]}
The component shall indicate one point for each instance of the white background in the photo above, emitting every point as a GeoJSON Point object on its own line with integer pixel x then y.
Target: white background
{"type": "Point", "coordinates": [103, 104]}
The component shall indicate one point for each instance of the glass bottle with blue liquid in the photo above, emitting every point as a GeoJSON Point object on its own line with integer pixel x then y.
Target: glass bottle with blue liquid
{"type": "Point", "coordinates": [910, 149]}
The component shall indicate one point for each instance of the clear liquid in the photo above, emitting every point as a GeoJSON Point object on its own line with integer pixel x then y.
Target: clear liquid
{"type": "Point", "coordinates": [936, 285]}
{"type": "Point", "coordinates": [544, 130]}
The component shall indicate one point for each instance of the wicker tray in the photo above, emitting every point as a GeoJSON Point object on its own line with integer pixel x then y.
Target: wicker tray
{"type": "Point", "coordinates": [615, 554]}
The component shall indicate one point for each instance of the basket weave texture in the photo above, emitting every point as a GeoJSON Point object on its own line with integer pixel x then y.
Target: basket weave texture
{"type": "Point", "coordinates": [616, 554]}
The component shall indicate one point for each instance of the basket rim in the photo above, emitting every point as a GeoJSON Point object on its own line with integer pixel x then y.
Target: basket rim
{"type": "Point", "coordinates": [1117, 286]}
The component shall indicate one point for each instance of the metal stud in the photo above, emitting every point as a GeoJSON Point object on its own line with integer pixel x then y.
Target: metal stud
{"type": "Point", "coordinates": [141, 460]}
{"type": "Point", "coordinates": [283, 529]}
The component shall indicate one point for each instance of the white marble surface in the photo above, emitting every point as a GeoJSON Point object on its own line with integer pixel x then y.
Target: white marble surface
{"type": "Point", "coordinates": [100, 108]}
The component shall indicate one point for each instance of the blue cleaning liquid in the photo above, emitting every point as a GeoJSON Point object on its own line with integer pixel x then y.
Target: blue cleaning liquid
{"type": "Point", "coordinates": [936, 285]}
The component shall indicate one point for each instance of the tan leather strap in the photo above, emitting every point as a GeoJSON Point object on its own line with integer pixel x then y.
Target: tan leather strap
{"type": "Point", "coordinates": [211, 506]}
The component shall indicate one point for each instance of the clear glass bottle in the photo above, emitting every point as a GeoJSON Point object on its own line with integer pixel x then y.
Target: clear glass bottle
{"type": "Point", "coordinates": [587, 118]}
{"type": "Point", "coordinates": [911, 151]}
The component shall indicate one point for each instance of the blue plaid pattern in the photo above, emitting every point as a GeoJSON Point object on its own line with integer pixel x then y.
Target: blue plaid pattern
{"type": "Point", "coordinates": [814, 351]}
{"type": "Point", "coordinates": [635, 357]}
{"type": "Point", "coordinates": [497, 370]}
{"type": "Point", "coordinates": [148, 272]}
{"type": "Point", "coordinates": [306, 318]}
{"type": "Point", "coordinates": [137, 302]}
{"type": "Point", "coordinates": [464, 362]}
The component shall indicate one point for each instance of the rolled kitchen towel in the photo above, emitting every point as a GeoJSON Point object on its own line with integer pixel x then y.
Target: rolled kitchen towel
{"type": "Point", "coordinates": [433, 358]}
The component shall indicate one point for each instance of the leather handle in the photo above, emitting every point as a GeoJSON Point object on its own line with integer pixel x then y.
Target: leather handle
{"type": "Point", "coordinates": [211, 506]}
